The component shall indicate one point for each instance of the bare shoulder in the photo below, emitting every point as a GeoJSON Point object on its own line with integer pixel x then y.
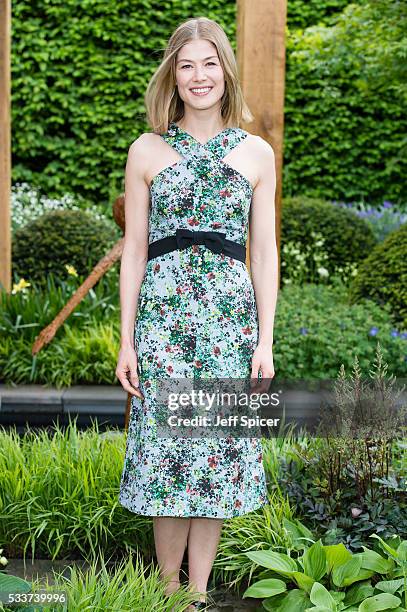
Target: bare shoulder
{"type": "Point", "coordinates": [260, 147]}
{"type": "Point", "coordinates": [141, 151]}
{"type": "Point", "coordinates": [143, 144]}
{"type": "Point", "coordinates": [261, 156]}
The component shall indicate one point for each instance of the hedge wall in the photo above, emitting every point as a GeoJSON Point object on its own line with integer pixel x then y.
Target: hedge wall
{"type": "Point", "coordinates": [79, 72]}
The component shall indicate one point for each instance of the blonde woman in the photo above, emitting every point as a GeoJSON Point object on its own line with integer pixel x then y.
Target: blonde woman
{"type": "Point", "coordinates": [189, 308]}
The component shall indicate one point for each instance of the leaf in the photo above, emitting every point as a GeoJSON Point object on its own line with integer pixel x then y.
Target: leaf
{"type": "Point", "coordinates": [357, 593]}
{"type": "Point", "coordinates": [303, 581]}
{"type": "Point", "coordinates": [300, 535]}
{"type": "Point", "coordinates": [389, 586]}
{"type": "Point", "coordinates": [402, 551]}
{"type": "Point", "coordinates": [14, 584]}
{"type": "Point", "coordinates": [314, 561]}
{"type": "Point", "coordinates": [373, 561]}
{"type": "Point", "coordinates": [388, 548]}
{"type": "Point", "coordinates": [320, 596]}
{"type": "Point", "coordinates": [279, 562]}
{"type": "Point", "coordinates": [336, 554]}
{"type": "Point", "coordinates": [288, 602]}
{"type": "Point", "coordinates": [341, 573]}
{"type": "Point", "coordinates": [350, 572]}
{"type": "Point", "coordinates": [383, 601]}
{"type": "Point", "coordinates": [265, 588]}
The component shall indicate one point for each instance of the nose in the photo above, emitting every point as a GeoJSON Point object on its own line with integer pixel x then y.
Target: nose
{"type": "Point", "coordinates": [199, 73]}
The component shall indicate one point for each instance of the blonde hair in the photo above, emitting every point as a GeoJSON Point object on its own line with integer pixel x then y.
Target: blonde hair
{"type": "Point", "coordinates": [162, 101]}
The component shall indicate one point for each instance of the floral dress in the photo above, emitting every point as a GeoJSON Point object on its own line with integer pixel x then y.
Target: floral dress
{"type": "Point", "coordinates": [196, 318]}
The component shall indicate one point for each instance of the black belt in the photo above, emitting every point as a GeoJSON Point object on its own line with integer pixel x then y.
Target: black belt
{"type": "Point", "coordinates": [183, 238]}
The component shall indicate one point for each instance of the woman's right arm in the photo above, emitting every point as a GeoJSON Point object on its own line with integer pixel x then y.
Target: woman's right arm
{"type": "Point", "coordinates": [133, 260]}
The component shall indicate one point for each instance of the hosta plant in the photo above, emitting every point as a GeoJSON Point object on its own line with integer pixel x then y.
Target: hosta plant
{"type": "Point", "coordinates": [331, 578]}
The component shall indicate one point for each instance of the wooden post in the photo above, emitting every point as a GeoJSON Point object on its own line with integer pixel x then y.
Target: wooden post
{"type": "Point", "coordinates": [261, 60]}
{"type": "Point", "coordinates": [5, 145]}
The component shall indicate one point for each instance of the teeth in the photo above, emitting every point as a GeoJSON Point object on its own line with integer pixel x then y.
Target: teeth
{"type": "Point", "coordinates": [201, 90]}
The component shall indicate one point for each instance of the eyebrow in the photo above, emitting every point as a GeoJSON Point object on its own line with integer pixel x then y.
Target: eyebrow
{"type": "Point", "coordinates": [188, 60]}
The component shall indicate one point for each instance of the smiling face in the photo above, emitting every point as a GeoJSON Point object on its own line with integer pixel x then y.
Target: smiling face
{"type": "Point", "coordinates": [199, 74]}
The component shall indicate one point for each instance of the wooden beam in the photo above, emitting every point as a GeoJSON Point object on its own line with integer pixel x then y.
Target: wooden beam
{"type": "Point", "coordinates": [261, 60]}
{"type": "Point", "coordinates": [5, 145]}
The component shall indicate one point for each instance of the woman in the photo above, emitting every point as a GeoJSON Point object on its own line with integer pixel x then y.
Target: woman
{"type": "Point", "coordinates": [198, 313]}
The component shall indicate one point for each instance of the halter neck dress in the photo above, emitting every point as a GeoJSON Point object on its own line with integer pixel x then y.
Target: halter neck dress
{"type": "Point", "coordinates": [196, 318]}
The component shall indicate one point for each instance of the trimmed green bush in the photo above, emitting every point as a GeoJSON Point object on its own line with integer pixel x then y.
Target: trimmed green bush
{"type": "Point", "coordinates": [383, 276]}
{"type": "Point", "coordinates": [348, 239]}
{"type": "Point", "coordinates": [59, 238]}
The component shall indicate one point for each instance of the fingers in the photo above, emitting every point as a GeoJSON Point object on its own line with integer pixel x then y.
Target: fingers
{"type": "Point", "coordinates": [129, 382]}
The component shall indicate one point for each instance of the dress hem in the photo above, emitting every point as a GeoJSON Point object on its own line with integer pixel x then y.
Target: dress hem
{"type": "Point", "coordinates": [260, 505]}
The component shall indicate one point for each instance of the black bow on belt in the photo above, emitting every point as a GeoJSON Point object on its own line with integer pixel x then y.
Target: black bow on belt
{"type": "Point", "coordinates": [214, 241]}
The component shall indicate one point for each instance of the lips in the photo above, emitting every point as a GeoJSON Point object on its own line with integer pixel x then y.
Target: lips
{"type": "Point", "coordinates": [201, 93]}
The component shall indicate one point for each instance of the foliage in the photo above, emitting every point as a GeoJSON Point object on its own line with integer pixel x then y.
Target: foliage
{"type": "Point", "coordinates": [383, 275]}
{"type": "Point", "coordinates": [130, 584]}
{"type": "Point", "coordinates": [331, 577]}
{"type": "Point", "coordinates": [27, 204]}
{"type": "Point", "coordinates": [59, 494]}
{"type": "Point", "coordinates": [344, 120]}
{"type": "Point", "coordinates": [78, 87]}
{"type": "Point", "coordinates": [383, 219]}
{"type": "Point", "coordinates": [58, 238]}
{"type": "Point", "coordinates": [329, 240]}
{"type": "Point", "coordinates": [348, 482]}
{"type": "Point", "coordinates": [316, 331]}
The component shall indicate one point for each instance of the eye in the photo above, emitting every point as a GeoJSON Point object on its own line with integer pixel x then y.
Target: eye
{"type": "Point", "coordinates": [213, 63]}
{"type": "Point", "coordinates": [185, 65]}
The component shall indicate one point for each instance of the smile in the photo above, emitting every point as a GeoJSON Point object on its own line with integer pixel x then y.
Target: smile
{"type": "Point", "coordinates": [200, 91]}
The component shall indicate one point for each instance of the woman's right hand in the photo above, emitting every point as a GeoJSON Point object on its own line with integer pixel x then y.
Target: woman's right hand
{"type": "Point", "coordinates": [126, 371]}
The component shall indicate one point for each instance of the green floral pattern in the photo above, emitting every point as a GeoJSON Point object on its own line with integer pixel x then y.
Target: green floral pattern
{"type": "Point", "coordinates": [196, 318]}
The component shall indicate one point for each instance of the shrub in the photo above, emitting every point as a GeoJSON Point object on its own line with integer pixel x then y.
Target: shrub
{"type": "Point", "coordinates": [58, 238]}
{"type": "Point", "coordinates": [383, 276]}
{"type": "Point", "coordinates": [346, 238]}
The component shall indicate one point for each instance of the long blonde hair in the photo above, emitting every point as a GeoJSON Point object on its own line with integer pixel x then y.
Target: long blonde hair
{"type": "Point", "coordinates": [162, 101]}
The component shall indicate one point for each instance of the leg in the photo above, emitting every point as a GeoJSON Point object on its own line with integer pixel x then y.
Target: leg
{"type": "Point", "coordinates": [170, 535]}
{"type": "Point", "coordinates": [203, 539]}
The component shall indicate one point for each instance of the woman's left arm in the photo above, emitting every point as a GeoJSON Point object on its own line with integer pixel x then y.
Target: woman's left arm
{"type": "Point", "coordinates": [264, 257]}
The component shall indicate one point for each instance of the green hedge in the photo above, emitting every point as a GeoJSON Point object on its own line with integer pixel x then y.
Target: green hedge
{"type": "Point", "coordinates": [347, 238]}
{"type": "Point", "coordinates": [383, 276]}
{"type": "Point", "coordinates": [58, 238]}
{"type": "Point", "coordinates": [80, 69]}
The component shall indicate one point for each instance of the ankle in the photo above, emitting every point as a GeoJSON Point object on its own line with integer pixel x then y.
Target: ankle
{"type": "Point", "coordinates": [172, 586]}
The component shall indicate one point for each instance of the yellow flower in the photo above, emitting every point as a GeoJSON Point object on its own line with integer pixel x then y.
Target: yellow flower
{"type": "Point", "coordinates": [20, 286]}
{"type": "Point", "coordinates": [71, 270]}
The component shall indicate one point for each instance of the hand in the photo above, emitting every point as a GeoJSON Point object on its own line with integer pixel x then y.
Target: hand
{"type": "Point", "coordinates": [126, 371]}
{"type": "Point", "coordinates": [262, 360]}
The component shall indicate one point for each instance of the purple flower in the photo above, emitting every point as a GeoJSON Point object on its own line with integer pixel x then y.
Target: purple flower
{"type": "Point", "coordinates": [394, 333]}
{"type": "Point", "coordinates": [303, 331]}
{"type": "Point", "coordinates": [373, 331]}
{"type": "Point", "coordinates": [387, 204]}
{"type": "Point", "coordinates": [403, 336]}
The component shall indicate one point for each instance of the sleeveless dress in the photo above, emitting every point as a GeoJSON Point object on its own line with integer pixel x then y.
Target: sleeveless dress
{"type": "Point", "coordinates": [196, 318]}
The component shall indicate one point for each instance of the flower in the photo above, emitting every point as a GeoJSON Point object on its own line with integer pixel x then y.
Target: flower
{"type": "Point", "coordinates": [20, 286]}
{"type": "Point", "coordinates": [373, 331]}
{"type": "Point", "coordinates": [71, 270]}
{"type": "Point", "coordinates": [323, 271]}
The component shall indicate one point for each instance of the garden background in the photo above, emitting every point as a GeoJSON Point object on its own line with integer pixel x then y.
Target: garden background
{"type": "Point", "coordinates": [79, 72]}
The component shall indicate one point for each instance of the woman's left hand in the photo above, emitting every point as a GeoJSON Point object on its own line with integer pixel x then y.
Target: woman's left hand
{"type": "Point", "coordinates": [262, 360]}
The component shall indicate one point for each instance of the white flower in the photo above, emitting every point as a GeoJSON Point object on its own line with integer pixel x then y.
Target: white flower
{"type": "Point", "coordinates": [3, 561]}
{"type": "Point", "coordinates": [323, 271]}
